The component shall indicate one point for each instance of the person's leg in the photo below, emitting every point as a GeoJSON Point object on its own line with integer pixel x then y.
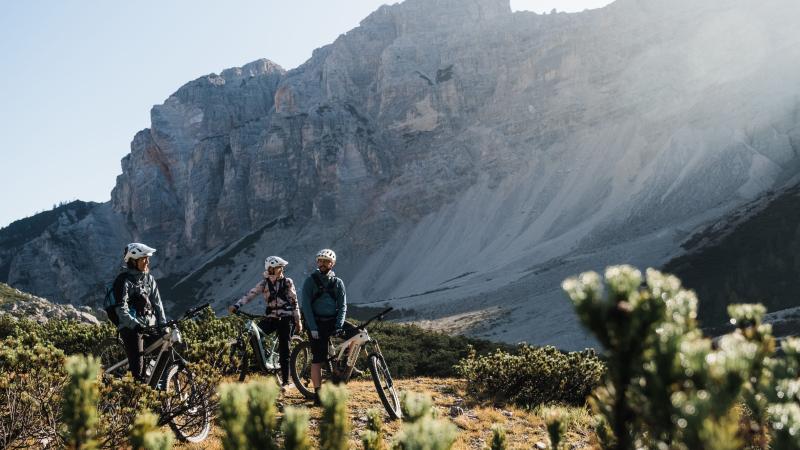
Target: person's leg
{"type": "Point", "coordinates": [134, 347]}
{"type": "Point", "coordinates": [284, 335]}
{"type": "Point", "coordinates": [319, 351]}
{"type": "Point", "coordinates": [268, 326]}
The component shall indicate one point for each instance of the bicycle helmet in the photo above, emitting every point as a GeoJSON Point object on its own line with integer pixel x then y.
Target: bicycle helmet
{"type": "Point", "coordinates": [136, 250]}
{"type": "Point", "coordinates": [275, 261]}
{"type": "Point", "coordinates": [326, 253]}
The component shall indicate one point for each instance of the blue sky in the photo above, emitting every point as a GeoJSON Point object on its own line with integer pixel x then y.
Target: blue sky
{"type": "Point", "coordinates": [78, 78]}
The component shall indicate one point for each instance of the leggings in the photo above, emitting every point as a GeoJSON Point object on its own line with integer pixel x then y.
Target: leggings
{"type": "Point", "coordinates": [284, 326]}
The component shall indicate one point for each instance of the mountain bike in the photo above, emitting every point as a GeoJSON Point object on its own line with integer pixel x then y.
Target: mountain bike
{"type": "Point", "coordinates": [265, 357]}
{"type": "Point", "coordinates": [342, 360]}
{"type": "Point", "coordinates": [186, 410]}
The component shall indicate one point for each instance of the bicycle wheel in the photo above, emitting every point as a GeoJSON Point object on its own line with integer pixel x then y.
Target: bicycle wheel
{"type": "Point", "coordinates": [300, 369]}
{"type": "Point", "coordinates": [110, 351]}
{"type": "Point", "coordinates": [384, 385]}
{"type": "Point", "coordinates": [240, 362]}
{"type": "Point", "coordinates": [187, 409]}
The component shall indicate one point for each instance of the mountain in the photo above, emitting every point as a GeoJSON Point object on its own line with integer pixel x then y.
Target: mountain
{"type": "Point", "coordinates": [750, 256]}
{"type": "Point", "coordinates": [461, 158]}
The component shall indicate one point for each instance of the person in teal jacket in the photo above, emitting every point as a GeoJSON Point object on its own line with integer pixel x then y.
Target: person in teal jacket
{"type": "Point", "coordinates": [324, 306]}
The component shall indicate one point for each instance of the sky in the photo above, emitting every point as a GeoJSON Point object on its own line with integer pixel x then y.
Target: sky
{"type": "Point", "coordinates": [78, 78]}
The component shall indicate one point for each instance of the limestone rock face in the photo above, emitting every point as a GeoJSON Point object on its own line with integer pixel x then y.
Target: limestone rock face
{"type": "Point", "coordinates": [460, 158]}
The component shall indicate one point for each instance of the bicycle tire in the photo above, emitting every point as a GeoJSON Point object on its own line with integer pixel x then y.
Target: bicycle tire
{"type": "Point", "coordinates": [384, 385]}
{"type": "Point", "coordinates": [244, 365]}
{"type": "Point", "coordinates": [300, 369]}
{"type": "Point", "coordinates": [110, 351]}
{"type": "Point", "coordinates": [193, 424]}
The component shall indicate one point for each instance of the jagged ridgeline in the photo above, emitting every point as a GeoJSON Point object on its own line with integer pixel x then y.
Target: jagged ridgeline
{"type": "Point", "coordinates": [461, 158]}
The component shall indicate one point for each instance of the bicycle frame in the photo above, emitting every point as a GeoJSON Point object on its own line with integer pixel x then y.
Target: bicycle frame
{"type": "Point", "coordinates": [164, 347]}
{"type": "Point", "coordinates": [267, 357]}
{"type": "Point", "coordinates": [355, 344]}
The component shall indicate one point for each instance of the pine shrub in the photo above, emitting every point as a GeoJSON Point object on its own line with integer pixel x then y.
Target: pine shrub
{"type": "Point", "coordinates": [532, 376]}
{"type": "Point", "coordinates": [667, 386]}
{"type": "Point", "coordinates": [32, 380]}
{"type": "Point", "coordinates": [145, 434]}
{"type": "Point", "coordinates": [423, 431]}
{"type": "Point", "coordinates": [262, 414]}
{"type": "Point", "coordinates": [372, 438]}
{"type": "Point", "coordinates": [498, 438]}
{"type": "Point", "coordinates": [233, 408]}
{"type": "Point", "coordinates": [334, 429]}
{"type": "Point", "coordinates": [80, 399]}
{"type": "Point", "coordinates": [295, 429]}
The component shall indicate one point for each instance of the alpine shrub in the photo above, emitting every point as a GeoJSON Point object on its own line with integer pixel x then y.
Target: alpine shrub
{"type": "Point", "coordinates": [262, 414]}
{"type": "Point", "coordinates": [423, 431]}
{"type": "Point", "coordinates": [498, 438]}
{"type": "Point", "coordinates": [667, 386]}
{"type": "Point", "coordinates": [372, 438]}
{"type": "Point", "coordinates": [532, 376]}
{"type": "Point", "coordinates": [295, 429]}
{"type": "Point", "coordinates": [145, 434]}
{"type": "Point", "coordinates": [334, 429]}
{"type": "Point", "coordinates": [233, 415]}
{"type": "Point", "coordinates": [80, 399]}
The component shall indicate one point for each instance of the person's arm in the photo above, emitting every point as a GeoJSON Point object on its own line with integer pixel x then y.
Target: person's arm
{"type": "Point", "coordinates": [158, 307]}
{"type": "Point", "coordinates": [251, 294]}
{"type": "Point", "coordinates": [341, 304]}
{"type": "Point", "coordinates": [292, 294]}
{"type": "Point", "coordinates": [126, 320]}
{"type": "Point", "coordinates": [308, 311]}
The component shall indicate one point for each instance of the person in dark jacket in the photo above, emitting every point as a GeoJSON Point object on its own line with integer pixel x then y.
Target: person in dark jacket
{"type": "Point", "coordinates": [138, 304]}
{"type": "Point", "coordinates": [283, 312]}
{"type": "Point", "coordinates": [324, 305]}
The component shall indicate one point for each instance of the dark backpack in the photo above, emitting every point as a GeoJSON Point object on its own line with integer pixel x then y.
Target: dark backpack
{"type": "Point", "coordinates": [110, 302]}
{"type": "Point", "coordinates": [330, 289]}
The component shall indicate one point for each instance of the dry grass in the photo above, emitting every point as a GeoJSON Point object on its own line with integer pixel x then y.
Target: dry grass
{"type": "Point", "coordinates": [524, 429]}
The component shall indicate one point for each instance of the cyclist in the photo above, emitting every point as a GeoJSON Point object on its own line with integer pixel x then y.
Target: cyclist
{"type": "Point", "coordinates": [283, 312]}
{"type": "Point", "coordinates": [324, 304]}
{"type": "Point", "coordinates": [138, 303]}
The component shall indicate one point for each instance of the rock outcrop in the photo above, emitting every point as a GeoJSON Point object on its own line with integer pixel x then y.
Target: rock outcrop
{"type": "Point", "coordinates": [18, 304]}
{"type": "Point", "coordinates": [462, 159]}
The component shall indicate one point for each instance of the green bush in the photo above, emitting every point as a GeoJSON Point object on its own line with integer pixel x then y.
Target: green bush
{"type": "Point", "coordinates": [401, 344]}
{"type": "Point", "coordinates": [145, 434]}
{"type": "Point", "coordinates": [533, 375]}
{"type": "Point", "coordinates": [498, 438]}
{"type": "Point", "coordinates": [334, 429]}
{"type": "Point", "coordinates": [248, 414]}
{"type": "Point", "coordinates": [372, 438]}
{"type": "Point", "coordinates": [295, 429]}
{"type": "Point", "coordinates": [80, 399]}
{"type": "Point", "coordinates": [423, 431]}
{"type": "Point", "coordinates": [667, 386]}
{"type": "Point", "coordinates": [33, 377]}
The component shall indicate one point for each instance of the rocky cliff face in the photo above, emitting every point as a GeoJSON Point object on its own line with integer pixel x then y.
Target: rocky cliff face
{"type": "Point", "coordinates": [462, 159]}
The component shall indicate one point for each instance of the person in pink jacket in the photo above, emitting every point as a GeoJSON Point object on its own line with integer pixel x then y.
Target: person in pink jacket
{"type": "Point", "coordinates": [283, 312]}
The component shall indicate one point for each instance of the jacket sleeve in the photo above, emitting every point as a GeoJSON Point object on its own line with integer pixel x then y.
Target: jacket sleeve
{"type": "Point", "coordinates": [341, 304]}
{"type": "Point", "coordinates": [251, 294]}
{"type": "Point", "coordinates": [126, 319]}
{"type": "Point", "coordinates": [308, 311]}
{"type": "Point", "coordinates": [292, 294]}
{"type": "Point", "coordinates": [158, 307]}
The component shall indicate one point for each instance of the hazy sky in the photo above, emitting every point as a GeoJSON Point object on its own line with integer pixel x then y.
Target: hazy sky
{"type": "Point", "coordinates": [78, 78]}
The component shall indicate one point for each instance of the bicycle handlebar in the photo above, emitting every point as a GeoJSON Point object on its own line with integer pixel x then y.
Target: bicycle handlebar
{"type": "Point", "coordinates": [248, 315]}
{"type": "Point", "coordinates": [379, 316]}
{"type": "Point", "coordinates": [191, 312]}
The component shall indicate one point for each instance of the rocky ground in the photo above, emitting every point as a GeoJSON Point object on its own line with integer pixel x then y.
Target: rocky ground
{"type": "Point", "coordinates": [525, 429]}
{"type": "Point", "coordinates": [20, 304]}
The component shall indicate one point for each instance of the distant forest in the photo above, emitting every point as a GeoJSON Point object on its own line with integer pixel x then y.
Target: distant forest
{"type": "Point", "coordinates": [757, 261]}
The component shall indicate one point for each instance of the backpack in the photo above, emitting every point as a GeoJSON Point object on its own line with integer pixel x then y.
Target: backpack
{"type": "Point", "coordinates": [330, 289]}
{"type": "Point", "coordinates": [110, 302]}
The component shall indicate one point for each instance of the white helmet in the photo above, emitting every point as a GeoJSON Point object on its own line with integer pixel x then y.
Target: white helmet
{"type": "Point", "coordinates": [136, 250]}
{"type": "Point", "coordinates": [326, 253]}
{"type": "Point", "coordinates": [275, 261]}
